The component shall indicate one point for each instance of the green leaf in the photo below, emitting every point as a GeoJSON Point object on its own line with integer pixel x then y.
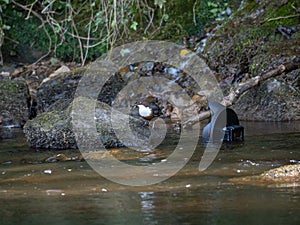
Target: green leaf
{"type": "Point", "coordinates": [134, 25]}
{"type": "Point", "coordinates": [113, 23]}
{"type": "Point", "coordinates": [69, 18]}
{"type": "Point", "coordinates": [212, 4]}
{"type": "Point", "coordinates": [165, 17]}
{"type": "Point", "coordinates": [214, 11]}
{"type": "Point", "coordinates": [57, 29]}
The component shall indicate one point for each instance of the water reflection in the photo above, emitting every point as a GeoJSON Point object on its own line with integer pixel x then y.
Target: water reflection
{"type": "Point", "coordinates": [148, 207]}
{"type": "Point", "coordinates": [74, 194]}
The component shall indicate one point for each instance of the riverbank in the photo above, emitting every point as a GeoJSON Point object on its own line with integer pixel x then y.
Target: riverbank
{"type": "Point", "coordinates": [251, 51]}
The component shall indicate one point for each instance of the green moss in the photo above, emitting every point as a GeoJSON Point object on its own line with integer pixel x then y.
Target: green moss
{"type": "Point", "coordinates": [11, 86]}
{"type": "Point", "coordinates": [258, 25]}
{"type": "Point", "coordinates": [77, 72]}
{"type": "Point", "coordinates": [276, 16]}
{"type": "Point", "coordinates": [10, 90]}
{"type": "Point", "coordinates": [49, 119]}
{"type": "Point", "coordinates": [249, 42]}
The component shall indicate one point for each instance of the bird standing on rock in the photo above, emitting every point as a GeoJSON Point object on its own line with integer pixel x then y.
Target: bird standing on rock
{"type": "Point", "coordinates": [148, 108]}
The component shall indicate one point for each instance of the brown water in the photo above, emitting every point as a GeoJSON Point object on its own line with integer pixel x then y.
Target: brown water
{"type": "Point", "coordinates": [74, 194]}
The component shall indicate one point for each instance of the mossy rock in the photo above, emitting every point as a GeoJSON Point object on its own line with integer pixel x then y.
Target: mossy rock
{"type": "Point", "coordinates": [51, 130]}
{"type": "Point", "coordinates": [14, 102]}
{"type": "Point", "coordinates": [273, 100]}
{"type": "Point", "coordinates": [251, 34]}
{"type": "Point", "coordinates": [54, 130]}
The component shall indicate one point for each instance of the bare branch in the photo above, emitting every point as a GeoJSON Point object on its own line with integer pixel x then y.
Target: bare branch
{"type": "Point", "coordinates": [280, 17]}
{"type": "Point", "coordinates": [234, 94]}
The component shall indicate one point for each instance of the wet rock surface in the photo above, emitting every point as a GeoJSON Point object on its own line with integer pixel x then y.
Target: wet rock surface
{"type": "Point", "coordinates": [14, 103]}
{"type": "Point", "coordinates": [53, 130]}
{"type": "Point", "coordinates": [57, 92]}
{"type": "Point", "coordinates": [33, 75]}
{"type": "Point", "coordinates": [274, 100]}
{"type": "Point", "coordinates": [50, 130]}
{"type": "Point", "coordinates": [283, 174]}
{"type": "Point", "coordinates": [256, 40]}
{"type": "Point", "coordinates": [52, 127]}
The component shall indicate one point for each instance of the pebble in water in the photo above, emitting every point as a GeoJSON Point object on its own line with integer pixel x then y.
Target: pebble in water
{"type": "Point", "coordinates": [48, 171]}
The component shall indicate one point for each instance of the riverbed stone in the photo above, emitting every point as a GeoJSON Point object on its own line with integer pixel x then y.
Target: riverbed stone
{"type": "Point", "coordinates": [52, 127]}
{"type": "Point", "coordinates": [50, 130]}
{"type": "Point", "coordinates": [287, 174]}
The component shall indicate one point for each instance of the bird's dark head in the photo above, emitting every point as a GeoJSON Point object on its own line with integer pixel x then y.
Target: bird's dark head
{"type": "Point", "coordinates": [135, 105]}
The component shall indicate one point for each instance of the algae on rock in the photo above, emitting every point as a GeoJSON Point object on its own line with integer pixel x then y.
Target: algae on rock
{"type": "Point", "coordinates": [54, 130]}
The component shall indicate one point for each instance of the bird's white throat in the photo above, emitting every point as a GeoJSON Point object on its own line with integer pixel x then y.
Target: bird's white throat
{"type": "Point", "coordinates": [144, 111]}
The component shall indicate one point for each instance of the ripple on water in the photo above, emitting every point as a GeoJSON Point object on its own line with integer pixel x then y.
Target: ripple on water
{"type": "Point", "coordinates": [73, 192]}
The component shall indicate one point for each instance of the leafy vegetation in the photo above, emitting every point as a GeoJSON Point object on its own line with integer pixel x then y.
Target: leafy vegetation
{"type": "Point", "coordinates": [83, 30]}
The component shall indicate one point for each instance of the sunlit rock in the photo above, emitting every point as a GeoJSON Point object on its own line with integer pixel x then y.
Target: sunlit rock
{"type": "Point", "coordinates": [288, 174]}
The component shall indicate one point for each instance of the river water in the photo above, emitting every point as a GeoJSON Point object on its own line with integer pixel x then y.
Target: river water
{"type": "Point", "coordinates": [63, 193]}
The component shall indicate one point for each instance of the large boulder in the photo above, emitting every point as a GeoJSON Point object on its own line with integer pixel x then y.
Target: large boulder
{"type": "Point", "coordinates": [50, 130]}
{"type": "Point", "coordinates": [57, 92]}
{"type": "Point", "coordinates": [273, 100]}
{"type": "Point", "coordinates": [53, 130]}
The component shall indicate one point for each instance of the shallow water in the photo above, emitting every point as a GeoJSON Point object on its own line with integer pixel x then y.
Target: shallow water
{"type": "Point", "coordinates": [64, 193]}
